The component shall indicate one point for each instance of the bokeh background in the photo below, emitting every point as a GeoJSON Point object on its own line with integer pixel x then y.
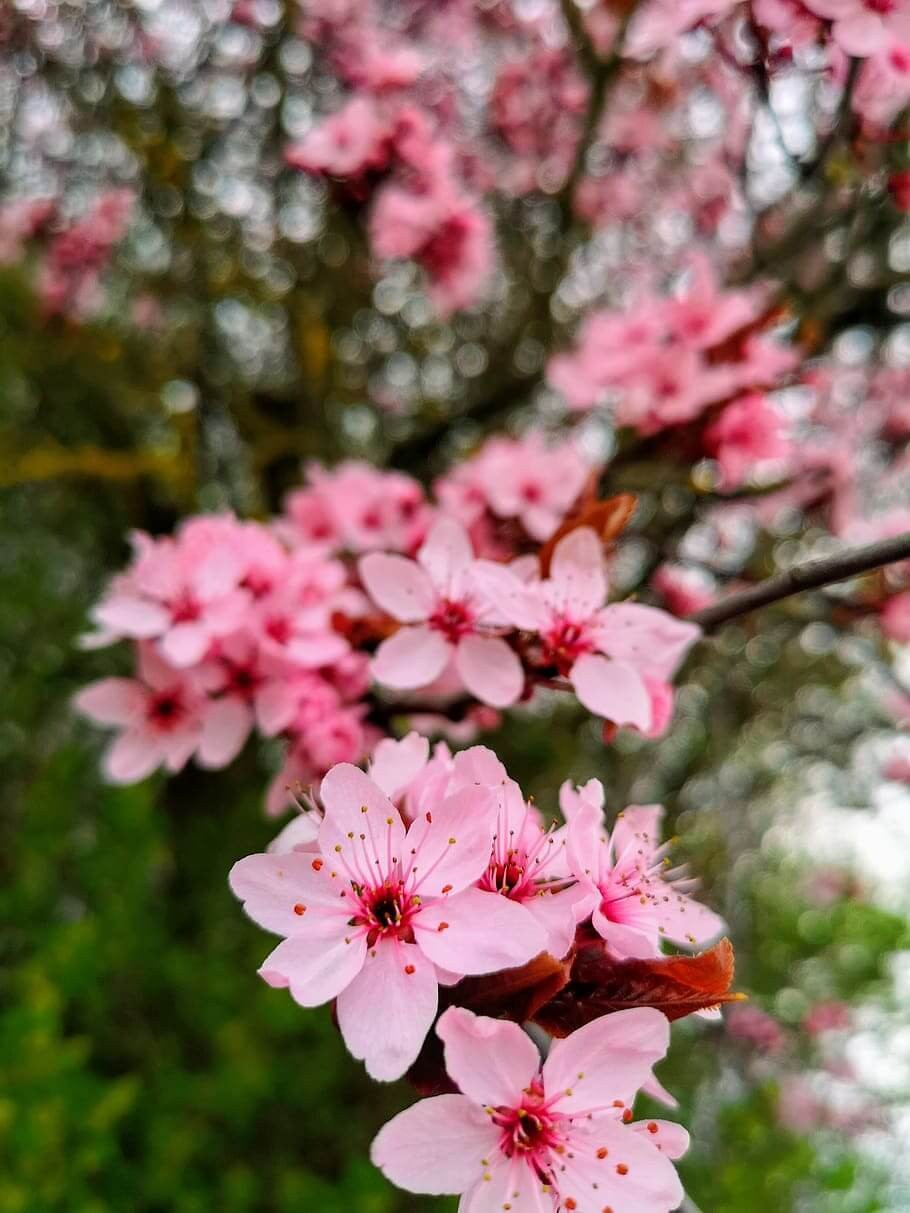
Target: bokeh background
{"type": "Point", "coordinates": [238, 331]}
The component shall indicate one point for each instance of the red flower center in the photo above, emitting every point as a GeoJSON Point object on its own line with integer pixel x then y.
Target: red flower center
{"type": "Point", "coordinates": [453, 619]}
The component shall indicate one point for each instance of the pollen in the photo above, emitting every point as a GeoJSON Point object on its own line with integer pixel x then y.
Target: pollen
{"type": "Point", "coordinates": [570, 1203]}
{"type": "Point", "coordinates": [409, 969]}
{"type": "Point", "coordinates": [364, 808]}
{"type": "Point", "coordinates": [317, 865]}
{"type": "Point", "coordinates": [627, 1115]}
{"type": "Point", "coordinates": [622, 1169]}
{"type": "Point", "coordinates": [443, 926]}
{"type": "Point", "coordinates": [388, 821]}
{"type": "Point", "coordinates": [447, 888]}
{"type": "Point", "coordinates": [451, 842]}
{"type": "Point", "coordinates": [338, 847]}
{"type": "Point", "coordinates": [602, 1152]}
{"type": "Point", "coordinates": [429, 818]}
{"type": "Point", "coordinates": [652, 1127]}
{"type": "Point", "coordinates": [299, 909]}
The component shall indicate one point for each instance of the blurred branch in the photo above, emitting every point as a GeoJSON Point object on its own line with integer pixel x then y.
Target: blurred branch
{"type": "Point", "coordinates": [49, 463]}
{"type": "Point", "coordinates": [810, 576]}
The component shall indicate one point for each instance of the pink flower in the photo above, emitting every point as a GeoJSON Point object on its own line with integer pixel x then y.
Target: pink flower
{"type": "Point", "coordinates": [897, 768]}
{"type": "Point", "coordinates": [532, 1137]}
{"type": "Point", "coordinates": [294, 621]}
{"type": "Point", "coordinates": [161, 715]}
{"type": "Point", "coordinates": [355, 140]}
{"type": "Point", "coordinates": [607, 652]}
{"type": "Point", "coordinates": [685, 590]}
{"type": "Point", "coordinates": [634, 901]}
{"type": "Point", "coordinates": [379, 912]}
{"type": "Point", "coordinates": [528, 866]}
{"type": "Point", "coordinates": [895, 618]}
{"type": "Point", "coordinates": [747, 432]}
{"type": "Point", "coordinates": [521, 478]}
{"type": "Point", "coordinates": [359, 508]}
{"type": "Point", "coordinates": [446, 617]}
{"type": "Point", "coordinates": [827, 1017]}
{"type": "Point", "coordinates": [447, 233]}
{"type": "Point", "coordinates": [862, 27]}
{"type": "Point", "coordinates": [755, 1027]}
{"type": "Point", "coordinates": [704, 316]}
{"type": "Point", "coordinates": [183, 592]}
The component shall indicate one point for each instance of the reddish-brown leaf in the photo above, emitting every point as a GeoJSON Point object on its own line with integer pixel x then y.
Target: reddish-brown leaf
{"type": "Point", "coordinates": [608, 518]}
{"type": "Point", "coordinates": [675, 985]}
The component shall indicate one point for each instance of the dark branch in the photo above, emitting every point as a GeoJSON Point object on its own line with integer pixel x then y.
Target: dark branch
{"type": "Point", "coordinates": [810, 576]}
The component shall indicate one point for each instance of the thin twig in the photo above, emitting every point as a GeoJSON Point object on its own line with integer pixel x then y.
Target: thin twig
{"type": "Point", "coordinates": [810, 576]}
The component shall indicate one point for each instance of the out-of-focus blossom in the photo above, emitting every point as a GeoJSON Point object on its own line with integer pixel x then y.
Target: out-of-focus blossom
{"type": "Point", "coordinates": [827, 1017]}
{"type": "Point", "coordinates": [757, 1028]}
{"type": "Point", "coordinates": [525, 479]}
{"type": "Point", "coordinates": [864, 27]}
{"type": "Point", "coordinates": [684, 589]}
{"type": "Point", "coordinates": [749, 432]}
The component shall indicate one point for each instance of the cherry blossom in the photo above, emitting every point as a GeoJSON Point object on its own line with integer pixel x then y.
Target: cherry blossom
{"type": "Point", "coordinates": [445, 618]}
{"type": "Point", "coordinates": [606, 652]}
{"type": "Point", "coordinates": [862, 27]}
{"type": "Point", "coordinates": [380, 911]}
{"type": "Point", "coordinates": [526, 1136]}
{"type": "Point", "coordinates": [748, 432]}
{"type": "Point", "coordinates": [634, 900]}
{"type": "Point", "coordinates": [161, 715]}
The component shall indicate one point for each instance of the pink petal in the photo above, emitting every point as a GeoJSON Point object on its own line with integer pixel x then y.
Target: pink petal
{"type": "Point", "coordinates": [185, 644]}
{"type": "Point", "coordinates": [648, 1182]}
{"type": "Point", "coordinates": [132, 757]}
{"type": "Point", "coordinates": [607, 1059]}
{"type": "Point", "coordinates": [645, 636]}
{"type": "Point", "coordinates": [513, 1185]}
{"type": "Point", "coordinates": [135, 617]}
{"type": "Point", "coordinates": [637, 941]}
{"type": "Point", "coordinates": [655, 1090]}
{"type": "Point", "coordinates": [284, 893]}
{"type": "Point", "coordinates": [559, 914]}
{"type": "Point", "coordinates": [450, 847]}
{"type": "Point", "coordinates": [111, 701]}
{"type": "Point", "coordinates": [612, 689]}
{"type": "Point", "coordinates": [299, 834]}
{"type": "Point", "coordinates": [276, 706]}
{"type": "Point", "coordinates": [354, 806]}
{"type": "Point", "coordinates": [178, 747]}
{"type": "Point", "coordinates": [436, 1147]}
{"type": "Point", "coordinates": [484, 933]}
{"type": "Point", "coordinates": [638, 825]}
{"type": "Point", "coordinates": [511, 598]}
{"type": "Point", "coordinates": [578, 577]}
{"type": "Point", "coordinates": [400, 587]}
{"type": "Point", "coordinates": [686, 921]}
{"type": "Point", "coordinates": [491, 1061]}
{"type": "Point", "coordinates": [446, 553]}
{"type": "Point", "coordinates": [413, 657]}
{"type": "Point", "coordinates": [396, 763]}
{"type": "Point", "coordinates": [670, 1138]}
{"type": "Point", "coordinates": [490, 670]}
{"type": "Point", "coordinates": [385, 1013]}
{"type": "Point", "coordinates": [316, 649]}
{"type": "Point", "coordinates": [861, 34]}
{"type": "Point", "coordinates": [318, 965]}
{"type": "Point", "coordinates": [225, 728]}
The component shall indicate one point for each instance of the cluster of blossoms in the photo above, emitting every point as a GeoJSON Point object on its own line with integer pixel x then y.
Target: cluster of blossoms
{"type": "Point", "coordinates": [282, 627]}
{"type": "Point", "coordinates": [431, 868]}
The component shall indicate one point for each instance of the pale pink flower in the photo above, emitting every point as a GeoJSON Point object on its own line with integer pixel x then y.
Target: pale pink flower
{"type": "Point", "coordinates": [635, 902]}
{"type": "Point", "coordinates": [684, 589]}
{"type": "Point", "coordinates": [830, 1016]}
{"type": "Point", "coordinates": [359, 508]}
{"type": "Point", "coordinates": [528, 865]}
{"type": "Point", "coordinates": [863, 27]}
{"type": "Point", "coordinates": [704, 315]}
{"type": "Point", "coordinates": [380, 911]}
{"type": "Point", "coordinates": [160, 714]}
{"type": "Point", "coordinates": [523, 478]}
{"type": "Point", "coordinates": [532, 1137]}
{"type": "Point", "coordinates": [789, 21]}
{"type": "Point", "coordinates": [446, 232]}
{"type": "Point", "coordinates": [294, 621]}
{"type": "Point", "coordinates": [897, 768]}
{"type": "Point", "coordinates": [883, 89]}
{"type": "Point", "coordinates": [183, 592]}
{"type": "Point", "coordinates": [354, 140]}
{"type": "Point", "coordinates": [446, 619]}
{"type": "Point", "coordinates": [748, 432]}
{"type": "Point", "coordinates": [606, 652]}
{"type": "Point", "coordinates": [895, 618]}
{"type": "Point", "coordinates": [757, 1028]}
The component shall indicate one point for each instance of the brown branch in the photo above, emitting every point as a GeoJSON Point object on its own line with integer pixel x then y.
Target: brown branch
{"type": "Point", "coordinates": [810, 576]}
